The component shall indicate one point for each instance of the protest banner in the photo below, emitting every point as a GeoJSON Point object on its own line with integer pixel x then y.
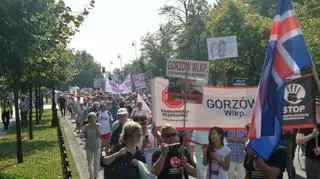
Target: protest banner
{"type": "Point", "coordinates": [222, 47]}
{"type": "Point", "coordinates": [229, 108]}
{"type": "Point", "coordinates": [192, 69]}
{"type": "Point", "coordinates": [115, 88]}
{"type": "Point", "coordinates": [139, 81]}
{"type": "Point", "coordinates": [300, 102]}
{"type": "Point", "coordinates": [223, 107]}
{"type": "Point", "coordinates": [192, 88]}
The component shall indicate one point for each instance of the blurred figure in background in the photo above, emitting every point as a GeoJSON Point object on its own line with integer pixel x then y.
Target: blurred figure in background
{"type": "Point", "coordinates": [91, 132]}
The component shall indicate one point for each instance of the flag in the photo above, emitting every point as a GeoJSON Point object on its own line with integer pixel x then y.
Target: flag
{"type": "Point", "coordinates": [287, 56]}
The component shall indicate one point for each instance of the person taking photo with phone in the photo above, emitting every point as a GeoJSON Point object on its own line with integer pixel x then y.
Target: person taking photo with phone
{"type": "Point", "coordinates": [168, 162]}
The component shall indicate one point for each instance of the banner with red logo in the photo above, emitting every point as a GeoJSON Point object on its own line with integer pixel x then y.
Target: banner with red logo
{"type": "Point", "coordinates": [223, 107]}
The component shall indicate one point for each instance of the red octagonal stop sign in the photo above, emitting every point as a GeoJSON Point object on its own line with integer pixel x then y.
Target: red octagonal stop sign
{"type": "Point", "coordinates": [167, 102]}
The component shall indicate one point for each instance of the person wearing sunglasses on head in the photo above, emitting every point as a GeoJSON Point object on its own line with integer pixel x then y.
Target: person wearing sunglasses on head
{"type": "Point", "coordinates": [168, 162]}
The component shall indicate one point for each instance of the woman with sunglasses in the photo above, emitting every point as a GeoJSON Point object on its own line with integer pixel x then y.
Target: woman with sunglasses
{"type": "Point", "coordinates": [122, 161]}
{"type": "Point", "coordinates": [216, 156]}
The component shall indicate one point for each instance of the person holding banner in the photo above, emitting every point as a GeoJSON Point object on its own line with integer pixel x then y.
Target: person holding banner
{"type": "Point", "coordinates": [216, 156]}
{"type": "Point", "coordinates": [168, 162]}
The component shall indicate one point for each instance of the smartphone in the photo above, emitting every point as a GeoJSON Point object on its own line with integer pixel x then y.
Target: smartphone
{"type": "Point", "coordinates": [175, 148]}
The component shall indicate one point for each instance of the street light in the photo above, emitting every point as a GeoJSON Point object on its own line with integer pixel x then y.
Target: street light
{"type": "Point", "coordinates": [120, 57]}
{"type": "Point", "coordinates": [134, 44]}
{"type": "Point", "coordinates": [111, 63]}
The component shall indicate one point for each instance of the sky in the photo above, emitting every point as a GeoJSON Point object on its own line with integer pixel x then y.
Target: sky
{"type": "Point", "coordinates": [113, 25]}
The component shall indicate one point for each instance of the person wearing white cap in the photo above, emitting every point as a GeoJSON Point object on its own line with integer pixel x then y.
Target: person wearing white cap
{"type": "Point", "coordinates": [117, 126]}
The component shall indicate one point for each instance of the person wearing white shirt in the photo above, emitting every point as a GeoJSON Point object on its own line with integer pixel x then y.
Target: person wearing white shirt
{"type": "Point", "coordinates": [139, 111]}
{"type": "Point", "coordinates": [105, 120]}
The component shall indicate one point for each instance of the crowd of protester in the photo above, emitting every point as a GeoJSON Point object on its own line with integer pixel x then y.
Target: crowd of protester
{"type": "Point", "coordinates": [120, 136]}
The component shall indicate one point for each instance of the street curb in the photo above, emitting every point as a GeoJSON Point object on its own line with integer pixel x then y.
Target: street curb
{"type": "Point", "coordinates": [78, 154]}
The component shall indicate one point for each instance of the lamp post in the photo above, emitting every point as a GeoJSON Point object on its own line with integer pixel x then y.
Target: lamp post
{"type": "Point", "coordinates": [111, 63]}
{"type": "Point", "coordinates": [134, 44]}
{"type": "Point", "coordinates": [120, 57]}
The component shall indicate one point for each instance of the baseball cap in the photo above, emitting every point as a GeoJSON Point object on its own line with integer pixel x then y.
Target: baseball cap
{"type": "Point", "coordinates": [122, 111]}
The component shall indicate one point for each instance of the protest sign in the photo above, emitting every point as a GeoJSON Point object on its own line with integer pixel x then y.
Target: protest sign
{"type": "Point", "coordinates": [139, 81]}
{"type": "Point", "coordinates": [192, 69]}
{"type": "Point", "coordinates": [300, 104]}
{"type": "Point", "coordinates": [223, 107]}
{"type": "Point", "coordinates": [228, 107]}
{"type": "Point", "coordinates": [192, 88]}
{"type": "Point", "coordinates": [222, 47]}
{"type": "Point", "coordinates": [115, 88]}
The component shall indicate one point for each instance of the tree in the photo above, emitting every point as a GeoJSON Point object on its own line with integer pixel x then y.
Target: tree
{"type": "Point", "coordinates": [33, 38]}
{"type": "Point", "coordinates": [252, 31]}
{"type": "Point", "coordinates": [87, 69]}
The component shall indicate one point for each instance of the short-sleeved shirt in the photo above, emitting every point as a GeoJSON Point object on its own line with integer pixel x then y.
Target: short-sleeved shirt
{"type": "Point", "coordinates": [171, 168]}
{"type": "Point", "coordinates": [122, 167]}
{"type": "Point", "coordinates": [311, 144]}
{"type": "Point", "coordinates": [105, 119]}
{"type": "Point", "coordinates": [278, 159]}
{"type": "Point", "coordinates": [237, 148]}
{"type": "Point", "coordinates": [92, 141]}
{"type": "Point", "coordinates": [217, 172]}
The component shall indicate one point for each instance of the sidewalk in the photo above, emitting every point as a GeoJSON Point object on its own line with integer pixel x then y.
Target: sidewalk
{"type": "Point", "coordinates": [77, 147]}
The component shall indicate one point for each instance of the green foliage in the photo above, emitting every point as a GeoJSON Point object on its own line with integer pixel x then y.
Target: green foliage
{"type": "Point", "coordinates": [34, 36]}
{"type": "Point", "coordinates": [41, 155]}
{"type": "Point", "coordinates": [193, 21]}
{"type": "Point", "coordinates": [87, 69]}
{"type": "Point", "coordinates": [252, 31]}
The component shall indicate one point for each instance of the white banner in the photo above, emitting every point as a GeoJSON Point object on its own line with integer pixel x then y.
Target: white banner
{"type": "Point", "coordinates": [191, 68]}
{"type": "Point", "coordinates": [222, 107]}
{"type": "Point", "coordinates": [144, 104]}
{"type": "Point", "coordinates": [222, 47]}
{"type": "Point", "coordinates": [113, 87]}
{"type": "Point", "coordinates": [139, 81]}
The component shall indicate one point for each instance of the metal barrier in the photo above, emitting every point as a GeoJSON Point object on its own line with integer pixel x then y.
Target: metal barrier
{"type": "Point", "coordinates": [64, 156]}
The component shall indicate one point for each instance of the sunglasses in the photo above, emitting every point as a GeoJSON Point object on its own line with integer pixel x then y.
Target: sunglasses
{"type": "Point", "coordinates": [170, 135]}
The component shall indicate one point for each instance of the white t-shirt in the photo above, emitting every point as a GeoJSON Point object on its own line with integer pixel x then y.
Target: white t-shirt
{"type": "Point", "coordinates": [105, 120]}
{"type": "Point", "coordinates": [139, 112]}
{"type": "Point", "coordinates": [217, 172]}
{"type": "Point", "coordinates": [149, 149]}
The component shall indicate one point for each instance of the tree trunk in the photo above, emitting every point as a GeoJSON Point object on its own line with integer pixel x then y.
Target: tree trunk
{"type": "Point", "coordinates": [54, 121]}
{"type": "Point", "coordinates": [36, 105]}
{"type": "Point", "coordinates": [30, 113]}
{"type": "Point", "coordinates": [18, 127]}
{"type": "Point", "coordinates": [40, 103]}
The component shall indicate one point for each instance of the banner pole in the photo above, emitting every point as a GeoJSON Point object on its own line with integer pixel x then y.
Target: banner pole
{"type": "Point", "coordinates": [184, 121]}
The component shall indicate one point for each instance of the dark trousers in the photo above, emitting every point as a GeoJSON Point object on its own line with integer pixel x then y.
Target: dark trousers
{"type": "Point", "coordinates": [312, 168]}
{"type": "Point", "coordinates": [5, 119]}
{"type": "Point", "coordinates": [24, 118]}
{"type": "Point", "coordinates": [63, 110]}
